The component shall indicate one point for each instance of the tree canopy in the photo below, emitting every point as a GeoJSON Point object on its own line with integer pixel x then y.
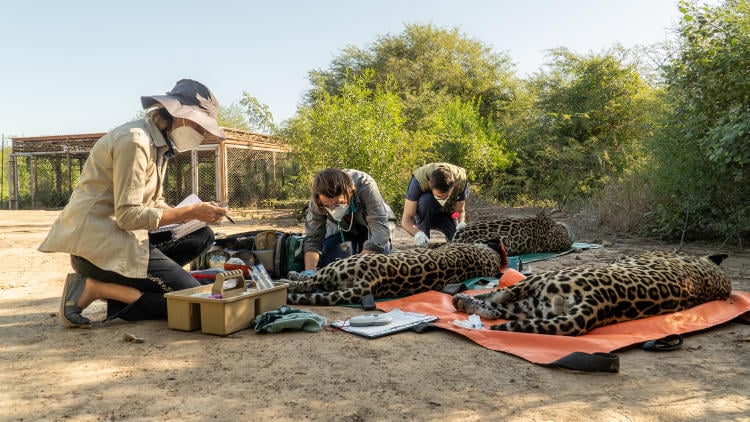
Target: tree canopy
{"type": "Point", "coordinates": [589, 115]}
{"type": "Point", "coordinates": [702, 153]}
{"type": "Point", "coordinates": [428, 94]}
{"type": "Point", "coordinates": [588, 127]}
{"type": "Point", "coordinates": [426, 65]}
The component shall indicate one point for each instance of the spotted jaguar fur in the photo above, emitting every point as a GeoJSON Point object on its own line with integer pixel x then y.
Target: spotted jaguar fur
{"type": "Point", "coordinates": [575, 300]}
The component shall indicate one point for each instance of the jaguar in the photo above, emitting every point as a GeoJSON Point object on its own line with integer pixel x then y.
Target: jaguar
{"type": "Point", "coordinates": [398, 274]}
{"type": "Point", "coordinates": [574, 301]}
{"type": "Point", "coordinates": [520, 236]}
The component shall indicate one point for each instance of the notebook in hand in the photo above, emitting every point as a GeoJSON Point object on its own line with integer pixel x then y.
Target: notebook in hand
{"type": "Point", "coordinates": [176, 231]}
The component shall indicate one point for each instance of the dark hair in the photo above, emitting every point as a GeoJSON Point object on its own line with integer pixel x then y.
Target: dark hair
{"type": "Point", "coordinates": [441, 179]}
{"type": "Point", "coordinates": [161, 117]}
{"type": "Point", "coordinates": [331, 183]}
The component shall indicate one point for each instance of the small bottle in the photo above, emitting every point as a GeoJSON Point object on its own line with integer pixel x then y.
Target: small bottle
{"type": "Point", "coordinates": [256, 278]}
{"type": "Point", "coordinates": [267, 281]}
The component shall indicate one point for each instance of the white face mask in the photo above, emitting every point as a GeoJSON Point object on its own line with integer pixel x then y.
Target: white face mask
{"type": "Point", "coordinates": [338, 212]}
{"type": "Point", "coordinates": [440, 201]}
{"type": "Point", "coordinates": [185, 138]}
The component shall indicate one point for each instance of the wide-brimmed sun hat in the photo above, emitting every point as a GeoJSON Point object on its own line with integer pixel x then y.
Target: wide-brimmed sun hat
{"type": "Point", "coordinates": [190, 100]}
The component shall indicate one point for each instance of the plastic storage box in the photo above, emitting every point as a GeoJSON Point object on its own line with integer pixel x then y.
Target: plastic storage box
{"type": "Point", "coordinates": [223, 308]}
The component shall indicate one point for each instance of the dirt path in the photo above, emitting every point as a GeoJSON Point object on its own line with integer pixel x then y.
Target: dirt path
{"type": "Point", "coordinates": [52, 373]}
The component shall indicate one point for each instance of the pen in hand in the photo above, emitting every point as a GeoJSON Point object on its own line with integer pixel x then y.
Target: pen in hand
{"type": "Point", "coordinates": [224, 205]}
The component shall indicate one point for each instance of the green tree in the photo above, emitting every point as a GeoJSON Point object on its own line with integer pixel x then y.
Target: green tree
{"type": "Point", "coordinates": [710, 74]}
{"type": "Point", "coordinates": [463, 137]}
{"type": "Point", "coordinates": [426, 66]}
{"type": "Point", "coordinates": [452, 94]}
{"type": "Point", "coordinates": [701, 155]}
{"type": "Point", "coordinates": [250, 114]}
{"type": "Point", "coordinates": [232, 116]}
{"type": "Point", "coordinates": [359, 128]}
{"type": "Point", "coordinates": [258, 115]}
{"type": "Point", "coordinates": [589, 116]}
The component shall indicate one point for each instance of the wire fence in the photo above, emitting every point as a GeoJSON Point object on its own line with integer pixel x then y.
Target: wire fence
{"type": "Point", "coordinates": [257, 178]}
{"type": "Point", "coordinates": [243, 177]}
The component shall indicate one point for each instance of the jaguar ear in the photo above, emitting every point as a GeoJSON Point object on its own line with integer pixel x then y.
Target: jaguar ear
{"type": "Point", "coordinates": [718, 258]}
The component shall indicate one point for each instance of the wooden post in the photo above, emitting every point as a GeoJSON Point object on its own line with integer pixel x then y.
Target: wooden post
{"type": "Point", "coordinates": [194, 172]}
{"type": "Point", "coordinates": [2, 175]}
{"type": "Point", "coordinates": [70, 174]}
{"type": "Point", "coordinates": [12, 182]}
{"type": "Point", "coordinates": [222, 173]}
{"type": "Point", "coordinates": [273, 170]}
{"type": "Point", "coordinates": [57, 164]}
{"type": "Point", "coordinates": [33, 182]}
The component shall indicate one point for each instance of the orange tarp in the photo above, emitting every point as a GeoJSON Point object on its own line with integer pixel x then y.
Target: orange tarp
{"type": "Point", "coordinates": [546, 349]}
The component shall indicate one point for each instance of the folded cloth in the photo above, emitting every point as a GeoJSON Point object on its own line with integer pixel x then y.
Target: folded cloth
{"type": "Point", "coordinates": [287, 318]}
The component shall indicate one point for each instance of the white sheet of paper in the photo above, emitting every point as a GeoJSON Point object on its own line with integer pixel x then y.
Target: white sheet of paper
{"type": "Point", "coordinates": [401, 321]}
{"type": "Point", "coordinates": [189, 200]}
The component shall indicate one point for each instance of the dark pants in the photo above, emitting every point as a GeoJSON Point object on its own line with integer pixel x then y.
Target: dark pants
{"type": "Point", "coordinates": [164, 274]}
{"type": "Point", "coordinates": [429, 216]}
{"type": "Point", "coordinates": [334, 248]}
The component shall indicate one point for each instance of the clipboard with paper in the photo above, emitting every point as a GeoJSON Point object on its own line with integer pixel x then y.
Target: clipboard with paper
{"type": "Point", "coordinates": [400, 321]}
{"type": "Point", "coordinates": [176, 231]}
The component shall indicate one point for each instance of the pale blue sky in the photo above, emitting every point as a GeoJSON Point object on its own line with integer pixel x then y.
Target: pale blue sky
{"type": "Point", "coordinates": [81, 66]}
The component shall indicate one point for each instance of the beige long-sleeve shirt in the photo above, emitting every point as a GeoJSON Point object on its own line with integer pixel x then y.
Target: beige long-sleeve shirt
{"type": "Point", "coordinates": [117, 200]}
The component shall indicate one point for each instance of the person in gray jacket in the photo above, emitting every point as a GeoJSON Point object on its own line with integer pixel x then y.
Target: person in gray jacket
{"type": "Point", "coordinates": [346, 216]}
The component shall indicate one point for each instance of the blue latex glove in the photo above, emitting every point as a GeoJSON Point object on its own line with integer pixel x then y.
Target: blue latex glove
{"type": "Point", "coordinates": [308, 273]}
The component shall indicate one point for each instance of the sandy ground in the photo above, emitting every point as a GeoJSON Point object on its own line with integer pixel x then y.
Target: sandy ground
{"type": "Point", "coordinates": [53, 373]}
